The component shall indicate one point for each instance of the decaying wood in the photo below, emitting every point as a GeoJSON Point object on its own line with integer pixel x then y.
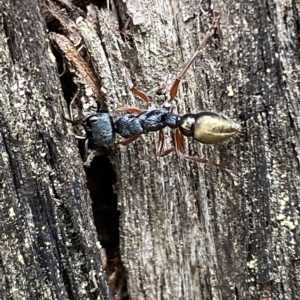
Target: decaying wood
{"type": "Point", "coordinates": [187, 231]}
{"type": "Point", "coordinates": [49, 248]}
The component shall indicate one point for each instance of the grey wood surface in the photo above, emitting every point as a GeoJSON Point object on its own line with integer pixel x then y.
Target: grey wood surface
{"type": "Point", "coordinates": [170, 228]}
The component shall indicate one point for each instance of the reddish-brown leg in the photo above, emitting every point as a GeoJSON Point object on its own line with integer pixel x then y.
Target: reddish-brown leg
{"type": "Point", "coordinates": [159, 149]}
{"type": "Point", "coordinates": [135, 91]}
{"type": "Point", "coordinates": [174, 88]}
{"type": "Point", "coordinates": [140, 94]}
{"type": "Point", "coordinates": [130, 140]}
{"type": "Point", "coordinates": [178, 138]}
{"type": "Point", "coordinates": [132, 110]}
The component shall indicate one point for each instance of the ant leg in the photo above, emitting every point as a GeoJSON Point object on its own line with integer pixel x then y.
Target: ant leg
{"type": "Point", "coordinates": [178, 138]}
{"type": "Point", "coordinates": [174, 88]}
{"type": "Point", "coordinates": [135, 91]}
{"type": "Point", "coordinates": [72, 102]}
{"type": "Point", "coordinates": [86, 150]}
{"type": "Point", "coordinates": [130, 140]}
{"type": "Point", "coordinates": [73, 122]}
{"type": "Point", "coordinates": [80, 137]}
{"type": "Point", "coordinates": [140, 94]}
{"type": "Point", "coordinates": [132, 110]}
{"type": "Point", "coordinates": [178, 146]}
{"type": "Point", "coordinates": [160, 145]}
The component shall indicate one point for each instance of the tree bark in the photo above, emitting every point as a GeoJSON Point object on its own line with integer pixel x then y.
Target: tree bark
{"type": "Point", "coordinates": [49, 246]}
{"type": "Point", "coordinates": [187, 230]}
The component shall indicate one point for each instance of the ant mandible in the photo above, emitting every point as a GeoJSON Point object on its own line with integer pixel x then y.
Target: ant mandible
{"type": "Point", "coordinates": [205, 127]}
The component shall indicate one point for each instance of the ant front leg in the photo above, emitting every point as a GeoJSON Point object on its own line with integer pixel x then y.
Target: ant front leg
{"type": "Point", "coordinates": [131, 110]}
{"type": "Point", "coordinates": [135, 91]}
{"type": "Point", "coordinates": [174, 88]}
{"type": "Point", "coordinates": [140, 94]}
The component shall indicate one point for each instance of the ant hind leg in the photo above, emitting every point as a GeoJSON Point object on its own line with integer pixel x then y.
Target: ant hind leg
{"type": "Point", "coordinates": [178, 140]}
{"type": "Point", "coordinates": [159, 149]}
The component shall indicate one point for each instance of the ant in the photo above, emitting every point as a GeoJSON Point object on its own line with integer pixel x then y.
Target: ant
{"type": "Point", "coordinates": [205, 127]}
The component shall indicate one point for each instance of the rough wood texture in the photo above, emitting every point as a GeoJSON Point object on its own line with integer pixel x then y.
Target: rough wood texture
{"type": "Point", "coordinates": [48, 244]}
{"type": "Point", "coordinates": [187, 231]}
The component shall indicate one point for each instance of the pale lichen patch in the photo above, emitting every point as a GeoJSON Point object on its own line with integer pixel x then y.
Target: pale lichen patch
{"type": "Point", "coordinates": [253, 264]}
{"type": "Point", "coordinates": [11, 212]}
{"type": "Point", "coordinates": [289, 224]}
{"type": "Point", "coordinates": [230, 91]}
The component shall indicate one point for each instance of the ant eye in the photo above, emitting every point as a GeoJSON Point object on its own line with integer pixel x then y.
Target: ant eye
{"type": "Point", "coordinates": [187, 124]}
{"type": "Point", "coordinates": [92, 119]}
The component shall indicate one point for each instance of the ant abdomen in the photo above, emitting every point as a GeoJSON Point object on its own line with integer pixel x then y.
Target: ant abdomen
{"type": "Point", "coordinates": [208, 127]}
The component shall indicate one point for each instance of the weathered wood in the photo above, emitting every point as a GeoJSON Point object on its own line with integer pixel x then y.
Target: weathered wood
{"type": "Point", "coordinates": [49, 247]}
{"type": "Point", "coordinates": [187, 231]}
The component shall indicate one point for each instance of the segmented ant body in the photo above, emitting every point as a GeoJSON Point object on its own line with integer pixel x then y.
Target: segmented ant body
{"type": "Point", "coordinates": [205, 127]}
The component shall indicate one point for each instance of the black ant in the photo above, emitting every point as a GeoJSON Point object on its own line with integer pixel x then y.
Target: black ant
{"type": "Point", "coordinates": [205, 127]}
